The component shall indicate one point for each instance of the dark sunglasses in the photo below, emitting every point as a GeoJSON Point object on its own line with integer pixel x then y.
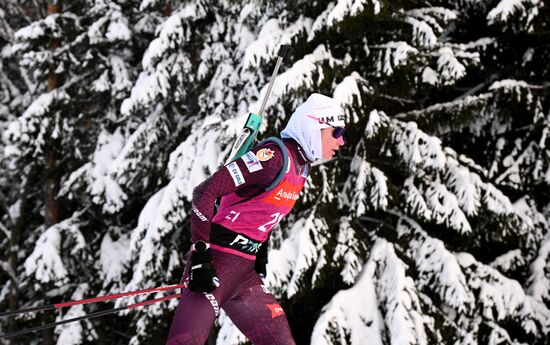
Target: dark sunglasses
{"type": "Point", "coordinates": [338, 131]}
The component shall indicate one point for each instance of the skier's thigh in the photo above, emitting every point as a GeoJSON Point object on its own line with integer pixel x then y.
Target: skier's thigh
{"type": "Point", "coordinates": [194, 319]}
{"type": "Point", "coordinates": [259, 317]}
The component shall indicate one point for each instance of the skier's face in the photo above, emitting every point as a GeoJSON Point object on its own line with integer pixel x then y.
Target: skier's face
{"type": "Point", "coordinates": [330, 143]}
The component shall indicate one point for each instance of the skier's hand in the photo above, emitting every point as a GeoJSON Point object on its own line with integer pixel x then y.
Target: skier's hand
{"type": "Point", "coordinates": [203, 277]}
{"type": "Point", "coordinates": [261, 260]}
{"type": "Point", "coordinates": [260, 266]}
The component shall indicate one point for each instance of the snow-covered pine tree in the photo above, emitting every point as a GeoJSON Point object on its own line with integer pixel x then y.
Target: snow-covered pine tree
{"type": "Point", "coordinates": [80, 58]}
{"type": "Point", "coordinates": [14, 87]}
{"type": "Point", "coordinates": [430, 227]}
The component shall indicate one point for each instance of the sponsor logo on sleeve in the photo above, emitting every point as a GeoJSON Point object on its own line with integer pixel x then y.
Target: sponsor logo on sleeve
{"type": "Point", "coordinates": [252, 162]}
{"type": "Point", "coordinates": [235, 173]}
{"type": "Point", "coordinates": [215, 305]}
{"type": "Point", "coordinates": [265, 154]}
{"type": "Point", "coordinates": [199, 214]}
{"type": "Point", "coordinates": [276, 310]}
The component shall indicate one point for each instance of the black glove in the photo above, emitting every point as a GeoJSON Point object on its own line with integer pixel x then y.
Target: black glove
{"type": "Point", "coordinates": [203, 277]}
{"type": "Point", "coordinates": [261, 260]}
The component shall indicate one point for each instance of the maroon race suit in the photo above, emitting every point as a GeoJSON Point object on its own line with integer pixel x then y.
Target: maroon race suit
{"type": "Point", "coordinates": [246, 216]}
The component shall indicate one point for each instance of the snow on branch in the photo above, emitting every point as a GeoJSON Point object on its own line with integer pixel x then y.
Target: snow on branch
{"type": "Point", "coordinates": [348, 249]}
{"type": "Point", "coordinates": [146, 248]}
{"type": "Point", "coordinates": [377, 120]}
{"type": "Point", "coordinates": [352, 314]}
{"type": "Point", "coordinates": [45, 263]}
{"type": "Point", "coordinates": [423, 34]}
{"type": "Point", "coordinates": [392, 55]}
{"type": "Point", "coordinates": [172, 34]}
{"type": "Point", "coordinates": [397, 295]}
{"type": "Point", "coordinates": [447, 116]}
{"type": "Point", "coordinates": [501, 298]}
{"type": "Point", "coordinates": [349, 92]}
{"type": "Point", "coordinates": [417, 149]}
{"type": "Point", "coordinates": [539, 281]}
{"type": "Point", "coordinates": [31, 131]}
{"type": "Point", "coordinates": [415, 203]}
{"type": "Point", "coordinates": [305, 74]}
{"type": "Point", "coordinates": [367, 185]}
{"type": "Point", "coordinates": [297, 254]}
{"type": "Point", "coordinates": [445, 208]}
{"type": "Point", "coordinates": [140, 149]}
{"type": "Point", "coordinates": [449, 67]}
{"type": "Point", "coordinates": [201, 154]}
{"type": "Point", "coordinates": [164, 62]}
{"type": "Point", "coordinates": [112, 26]}
{"type": "Point", "coordinates": [438, 269]}
{"type": "Point", "coordinates": [102, 185]}
{"type": "Point", "coordinates": [76, 333]}
{"type": "Point", "coordinates": [343, 9]}
{"type": "Point", "coordinates": [465, 185]}
{"type": "Point", "coordinates": [269, 40]}
{"type": "Point", "coordinates": [51, 26]}
{"type": "Point", "coordinates": [525, 10]}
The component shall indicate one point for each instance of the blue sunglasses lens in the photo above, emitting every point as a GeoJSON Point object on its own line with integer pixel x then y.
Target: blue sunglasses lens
{"type": "Point", "coordinates": [338, 132]}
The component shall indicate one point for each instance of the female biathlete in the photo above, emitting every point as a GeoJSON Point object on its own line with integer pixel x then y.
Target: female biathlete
{"type": "Point", "coordinates": [229, 250]}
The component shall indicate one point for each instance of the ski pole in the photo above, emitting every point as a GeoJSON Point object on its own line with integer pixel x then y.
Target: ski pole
{"type": "Point", "coordinates": [284, 51]}
{"type": "Point", "coordinates": [248, 134]}
{"type": "Point", "coordinates": [91, 300]}
{"type": "Point", "coordinates": [89, 316]}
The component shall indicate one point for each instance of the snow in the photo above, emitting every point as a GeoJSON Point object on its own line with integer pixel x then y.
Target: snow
{"type": "Point", "coordinates": [45, 263]}
{"type": "Point", "coordinates": [423, 34]}
{"type": "Point", "coordinates": [300, 75]}
{"type": "Point", "coordinates": [347, 250]}
{"type": "Point", "coordinates": [414, 200]}
{"type": "Point", "coordinates": [156, 221]}
{"type": "Point", "coordinates": [348, 93]}
{"type": "Point", "coordinates": [296, 254]}
{"type": "Point", "coordinates": [347, 8]}
{"type": "Point", "coordinates": [103, 188]}
{"type": "Point", "coordinates": [228, 334]}
{"type": "Point", "coordinates": [540, 278]}
{"type": "Point", "coordinates": [445, 208]}
{"type": "Point", "coordinates": [448, 66]}
{"type": "Point", "coordinates": [507, 8]}
{"type": "Point", "coordinates": [29, 131]}
{"type": "Point", "coordinates": [416, 148]}
{"type": "Point", "coordinates": [396, 292]}
{"type": "Point", "coordinates": [496, 201]}
{"type": "Point", "coordinates": [112, 257]}
{"type": "Point", "coordinates": [377, 120]}
{"type": "Point", "coordinates": [72, 333]}
{"type": "Point", "coordinates": [359, 199]}
{"type": "Point", "coordinates": [465, 185]}
{"type": "Point", "coordinates": [438, 268]}
{"type": "Point", "coordinates": [502, 298]}
{"type": "Point", "coordinates": [411, 286]}
{"type": "Point", "coordinates": [269, 40]}
{"type": "Point", "coordinates": [351, 313]}
{"type": "Point", "coordinates": [392, 55]}
{"type": "Point", "coordinates": [118, 28]}
{"type": "Point", "coordinates": [430, 76]}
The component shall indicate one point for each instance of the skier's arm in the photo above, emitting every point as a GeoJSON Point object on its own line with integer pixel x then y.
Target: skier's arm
{"type": "Point", "coordinates": [248, 178]}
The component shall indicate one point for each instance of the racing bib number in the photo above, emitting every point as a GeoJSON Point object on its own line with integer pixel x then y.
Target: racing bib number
{"type": "Point", "coordinates": [277, 217]}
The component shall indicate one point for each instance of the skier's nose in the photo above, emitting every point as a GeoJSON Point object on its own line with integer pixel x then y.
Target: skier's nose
{"type": "Point", "coordinates": [340, 140]}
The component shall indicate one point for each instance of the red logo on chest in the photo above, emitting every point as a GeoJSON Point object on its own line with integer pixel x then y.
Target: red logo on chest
{"type": "Point", "coordinates": [285, 194]}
